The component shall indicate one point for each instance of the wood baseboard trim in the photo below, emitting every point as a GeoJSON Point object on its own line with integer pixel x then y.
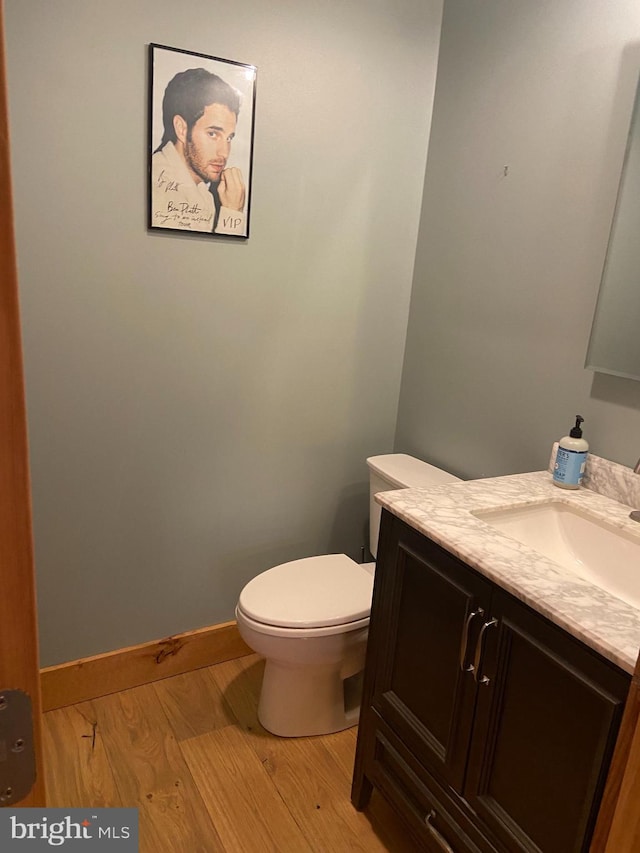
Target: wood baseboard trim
{"type": "Point", "coordinates": [89, 678]}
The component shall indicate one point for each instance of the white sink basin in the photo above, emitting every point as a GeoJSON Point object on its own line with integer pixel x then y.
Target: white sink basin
{"type": "Point", "coordinates": [599, 553]}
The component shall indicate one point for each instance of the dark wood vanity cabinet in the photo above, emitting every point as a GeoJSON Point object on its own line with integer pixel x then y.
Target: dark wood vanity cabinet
{"type": "Point", "coordinates": [487, 727]}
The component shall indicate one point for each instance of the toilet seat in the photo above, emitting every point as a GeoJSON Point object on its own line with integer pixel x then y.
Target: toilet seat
{"type": "Point", "coordinates": [327, 592]}
{"type": "Point", "coordinates": [299, 633]}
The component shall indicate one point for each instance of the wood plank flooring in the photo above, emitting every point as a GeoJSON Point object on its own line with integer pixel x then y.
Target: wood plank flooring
{"type": "Point", "coordinates": [190, 754]}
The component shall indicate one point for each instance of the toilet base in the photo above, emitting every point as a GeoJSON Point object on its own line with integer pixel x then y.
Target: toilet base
{"type": "Point", "coordinates": [298, 703]}
{"type": "Point", "coordinates": [312, 677]}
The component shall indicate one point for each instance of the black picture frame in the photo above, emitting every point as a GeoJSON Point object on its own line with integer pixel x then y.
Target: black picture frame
{"type": "Point", "coordinates": [200, 164]}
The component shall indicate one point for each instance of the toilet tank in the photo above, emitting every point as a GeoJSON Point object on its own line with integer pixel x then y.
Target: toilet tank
{"type": "Point", "coordinates": [398, 471]}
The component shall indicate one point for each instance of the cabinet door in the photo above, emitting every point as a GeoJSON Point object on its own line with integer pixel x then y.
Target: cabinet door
{"type": "Point", "coordinates": [545, 725]}
{"type": "Point", "coordinates": [428, 610]}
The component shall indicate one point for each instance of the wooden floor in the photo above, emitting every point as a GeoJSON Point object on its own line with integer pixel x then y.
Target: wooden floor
{"type": "Point", "coordinates": [189, 753]}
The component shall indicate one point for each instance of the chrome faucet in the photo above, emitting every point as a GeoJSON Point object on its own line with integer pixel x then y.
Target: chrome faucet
{"type": "Point", "coordinates": [635, 515]}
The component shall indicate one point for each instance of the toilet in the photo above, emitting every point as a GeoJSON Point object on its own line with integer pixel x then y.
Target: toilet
{"type": "Point", "coordinates": [309, 619]}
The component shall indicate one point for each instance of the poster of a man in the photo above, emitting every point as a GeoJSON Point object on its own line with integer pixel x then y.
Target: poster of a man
{"type": "Point", "coordinates": [200, 142]}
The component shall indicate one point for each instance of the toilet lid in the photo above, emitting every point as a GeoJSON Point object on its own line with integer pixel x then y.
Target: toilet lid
{"type": "Point", "coordinates": [310, 593]}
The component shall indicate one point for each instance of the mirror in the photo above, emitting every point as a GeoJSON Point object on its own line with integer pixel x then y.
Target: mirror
{"type": "Point", "coordinates": [614, 346]}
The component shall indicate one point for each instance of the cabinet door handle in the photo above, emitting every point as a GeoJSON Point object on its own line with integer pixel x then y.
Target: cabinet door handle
{"type": "Point", "coordinates": [464, 642]}
{"type": "Point", "coordinates": [481, 679]}
{"type": "Point", "coordinates": [435, 834]}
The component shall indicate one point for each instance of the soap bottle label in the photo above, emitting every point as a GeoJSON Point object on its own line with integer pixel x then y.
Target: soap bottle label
{"type": "Point", "coordinates": [569, 467]}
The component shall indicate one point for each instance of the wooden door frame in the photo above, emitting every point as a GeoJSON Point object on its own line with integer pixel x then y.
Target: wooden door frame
{"type": "Point", "coordinates": [19, 668]}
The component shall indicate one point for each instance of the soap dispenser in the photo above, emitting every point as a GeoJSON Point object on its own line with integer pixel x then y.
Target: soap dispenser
{"type": "Point", "coordinates": [571, 458]}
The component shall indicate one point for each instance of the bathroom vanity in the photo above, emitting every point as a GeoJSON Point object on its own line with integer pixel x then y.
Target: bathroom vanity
{"type": "Point", "coordinates": [495, 679]}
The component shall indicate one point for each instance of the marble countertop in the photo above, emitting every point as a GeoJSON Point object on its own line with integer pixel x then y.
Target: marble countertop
{"type": "Point", "coordinates": [444, 514]}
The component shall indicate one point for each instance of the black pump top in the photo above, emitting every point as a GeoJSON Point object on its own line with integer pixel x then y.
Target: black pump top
{"type": "Point", "coordinates": [576, 432]}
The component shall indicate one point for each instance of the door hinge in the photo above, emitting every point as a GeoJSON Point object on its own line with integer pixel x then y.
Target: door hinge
{"type": "Point", "coordinates": [17, 755]}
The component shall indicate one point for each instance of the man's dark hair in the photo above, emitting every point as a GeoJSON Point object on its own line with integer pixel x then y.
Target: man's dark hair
{"type": "Point", "coordinates": [189, 93]}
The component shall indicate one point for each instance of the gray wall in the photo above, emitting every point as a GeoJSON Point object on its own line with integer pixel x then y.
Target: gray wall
{"type": "Point", "coordinates": [508, 268]}
{"type": "Point", "coordinates": [200, 410]}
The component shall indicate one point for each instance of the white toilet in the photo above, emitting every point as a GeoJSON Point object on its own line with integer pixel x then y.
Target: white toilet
{"type": "Point", "coordinates": [309, 619]}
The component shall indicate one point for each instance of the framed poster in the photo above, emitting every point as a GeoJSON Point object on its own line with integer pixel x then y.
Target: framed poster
{"type": "Point", "coordinates": [201, 118]}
